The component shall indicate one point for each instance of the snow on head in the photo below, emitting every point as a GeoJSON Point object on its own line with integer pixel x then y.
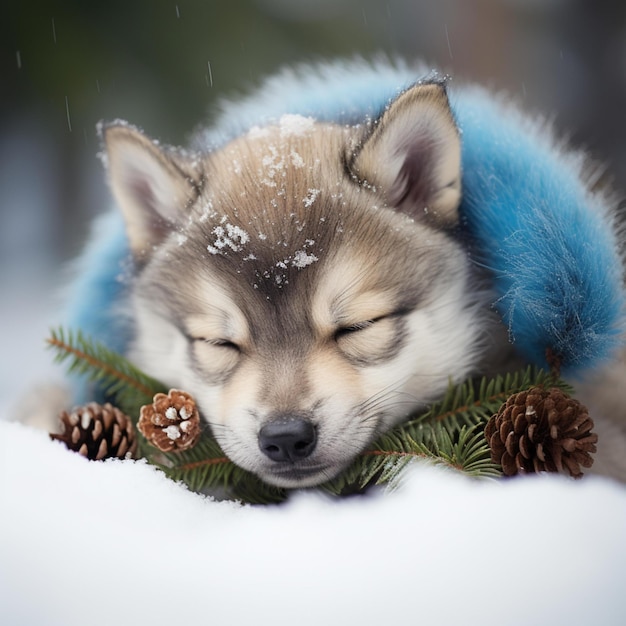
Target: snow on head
{"type": "Point", "coordinates": [228, 236]}
{"type": "Point", "coordinates": [274, 167]}
{"type": "Point", "coordinates": [295, 125]}
{"type": "Point", "coordinates": [208, 212]}
{"type": "Point", "coordinates": [296, 160]}
{"type": "Point", "coordinates": [302, 259]}
{"type": "Point", "coordinates": [258, 132]}
{"type": "Point", "coordinates": [311, 197]}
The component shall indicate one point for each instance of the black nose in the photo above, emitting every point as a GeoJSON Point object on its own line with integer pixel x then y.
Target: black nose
{"type": "Point", "coordinates": [288, 439]}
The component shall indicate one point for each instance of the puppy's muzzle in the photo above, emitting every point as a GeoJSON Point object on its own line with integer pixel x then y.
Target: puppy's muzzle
{"type": "Point", "coordinates": [288, 439]}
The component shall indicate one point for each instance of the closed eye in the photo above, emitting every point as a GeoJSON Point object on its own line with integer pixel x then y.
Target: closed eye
{"type": "Point", "coordinates": [354, 328]}
{"type": "Point", "coordinates": [219, 343]}
{"type": "Point", "coordinates": [372, 341]}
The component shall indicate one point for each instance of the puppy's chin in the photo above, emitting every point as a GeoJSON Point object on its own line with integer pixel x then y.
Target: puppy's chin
{"type": "Point", "coordinates": [295, 477]}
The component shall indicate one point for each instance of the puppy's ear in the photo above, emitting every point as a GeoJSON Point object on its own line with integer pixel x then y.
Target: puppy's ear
{"type": "Point", "coordinates": [149, 184]}
{"type": "Point", "coordinates": [413, 155]}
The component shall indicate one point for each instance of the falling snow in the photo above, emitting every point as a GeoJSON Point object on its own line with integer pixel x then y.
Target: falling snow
{"type": "Point", "coordinates": [67, 113]}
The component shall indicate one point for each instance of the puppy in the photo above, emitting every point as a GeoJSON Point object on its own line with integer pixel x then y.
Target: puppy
{"type": "Point", "coordinates": [302, 272]}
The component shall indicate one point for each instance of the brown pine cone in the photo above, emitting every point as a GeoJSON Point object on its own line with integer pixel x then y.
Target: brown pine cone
{"type": "Point", "coordinates": [98, 432]}
{"type": "Point", "coordinates": [541, 430]}
{"type": "Point", "coordinates": [172, 422]}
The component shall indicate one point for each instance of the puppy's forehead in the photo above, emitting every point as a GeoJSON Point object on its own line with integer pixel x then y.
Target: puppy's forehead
{"type": "Point", "coordinates": [280, 219]}
{"type": "Point", "coordinates": [272, 203]}
{"type": "Point", "coordinates": [279, 157]}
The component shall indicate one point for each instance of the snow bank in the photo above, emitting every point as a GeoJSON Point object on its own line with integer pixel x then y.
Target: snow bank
{"type": "Point", "coordinates": [117, 543]}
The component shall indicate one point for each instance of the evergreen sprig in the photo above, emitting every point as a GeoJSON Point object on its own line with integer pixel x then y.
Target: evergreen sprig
{"type": "Point", "coordinates": [118, 378]}
{"type": "Point", "coordinates": [448, 432]}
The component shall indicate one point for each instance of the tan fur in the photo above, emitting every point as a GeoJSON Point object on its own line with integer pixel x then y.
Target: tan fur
{"type": "Point", "coordinates": [603, 395]}
{"type": "Point", "coordinates": [382, 159]}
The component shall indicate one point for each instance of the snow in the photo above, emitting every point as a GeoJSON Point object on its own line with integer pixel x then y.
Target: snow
{"type": "Point", "coordinates": [258, 132]}
{"type": "Point", "coordinates": [295, 125]}
{"type": "Point", "coordinates": [173, 432]}
{"type": "Point", "coordinates": [207, 212]}
{"type": "Point", "coordinates": [311, 197]}
{"type": "Point", "coordinates": [296, 159]}
{"type": "Point", "coordinates": [301, 259]}
{"type": "Point", "coordinates": [228, 236]}
{"type": "Point", "coordinates": [116, 542]}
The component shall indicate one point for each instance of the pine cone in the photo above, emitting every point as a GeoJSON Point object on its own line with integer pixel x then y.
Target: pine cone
{"type": "Point", "coordinates": [98, 432]}
{"type": "Point", "coordinates": [541, 430]}
{"type": "Point", "coordinates": [172, 422]}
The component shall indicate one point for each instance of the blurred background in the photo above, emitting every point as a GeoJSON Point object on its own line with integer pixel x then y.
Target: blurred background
{"type": "Point", "coordinates": [161, 63]}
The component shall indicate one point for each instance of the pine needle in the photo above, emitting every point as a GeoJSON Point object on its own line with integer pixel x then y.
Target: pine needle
{"type": "Point", "coordinates": [114, 374]}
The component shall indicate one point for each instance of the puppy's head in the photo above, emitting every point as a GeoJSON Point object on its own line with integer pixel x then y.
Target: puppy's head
{"type": "Point", "coordinates": [301, 282]}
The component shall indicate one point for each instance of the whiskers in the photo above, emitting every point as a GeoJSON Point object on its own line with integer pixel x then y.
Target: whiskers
{"type": "Point", "coordinates": [381, 409]}
{"type": "Point", "coordinates": [383, 399]}
{"type": "Point", "coordinates": [214, 428]}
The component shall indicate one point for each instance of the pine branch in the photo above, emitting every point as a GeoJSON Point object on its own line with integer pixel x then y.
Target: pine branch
{"type": "Point", "coordinates": [116, 376]}
{"type": "Point", "coordinates": [449, 432]}
{"type": "Point", "coordinates": [473, 402]}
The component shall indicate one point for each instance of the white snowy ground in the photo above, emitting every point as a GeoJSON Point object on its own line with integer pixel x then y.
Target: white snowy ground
{"type": "Point", "coordinates": [117, 543]}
